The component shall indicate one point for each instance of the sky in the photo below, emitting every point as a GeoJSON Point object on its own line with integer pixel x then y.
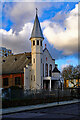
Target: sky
{"type": "Point", "coordinates": [59, 23]}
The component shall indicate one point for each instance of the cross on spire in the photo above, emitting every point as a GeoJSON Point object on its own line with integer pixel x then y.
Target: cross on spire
{"type": "Point", "coordinates": [36, 31]}
{"type": "Point", "coordinates": [36, 10]}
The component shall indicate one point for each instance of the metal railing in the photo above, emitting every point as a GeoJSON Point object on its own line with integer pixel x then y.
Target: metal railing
{"type": "Point", "coordinates": [30, 94]}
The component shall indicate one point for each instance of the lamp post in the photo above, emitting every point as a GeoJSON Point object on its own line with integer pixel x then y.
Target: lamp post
{"type": "Point", "coordinates": [58, 91]}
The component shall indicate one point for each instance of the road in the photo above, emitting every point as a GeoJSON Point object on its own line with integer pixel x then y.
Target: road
{"type": "Point", "coordinates": [65, 112]}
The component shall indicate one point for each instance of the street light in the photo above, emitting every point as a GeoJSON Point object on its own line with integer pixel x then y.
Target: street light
{"type": "Point", "coordinates": [58, 91]}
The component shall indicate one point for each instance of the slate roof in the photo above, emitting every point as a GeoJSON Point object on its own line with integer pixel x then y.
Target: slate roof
{"type": "Point", "coordinates": [56, 70]}
{"type": "Point", "coordinates": [15, 63]}
{"type": "Point", "coordinates": [36, 32]}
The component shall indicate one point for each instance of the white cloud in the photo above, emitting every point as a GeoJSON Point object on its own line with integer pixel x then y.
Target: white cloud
{"type": "Point", "coordinates": [63, 66]}
{"type": "Point", "coordinates": [65, 40]}
{"type": "Point", "coordinates": [17, 38]}
{"type": "Point", "coordinates": [69, 61]}
{"type": "Point", "coordinates": [19, 13]}
{"type": "Point", "coordinates": [17, 42]}
{"type": "Point", "coordinates": [22, 12]}
{"type": "Point", "coordinates": [0, 14]}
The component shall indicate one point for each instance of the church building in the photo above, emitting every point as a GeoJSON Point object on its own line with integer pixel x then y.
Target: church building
{"type": "Point", "coordinates": [33, 70]}
{"type": "Point", "coordinates": [42, 73]}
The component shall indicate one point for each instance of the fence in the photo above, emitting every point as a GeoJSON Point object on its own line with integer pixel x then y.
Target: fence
{"type": "Point", "coordinates": [18, 93]}
{"type": "Point", "coordinates": [18, 97]}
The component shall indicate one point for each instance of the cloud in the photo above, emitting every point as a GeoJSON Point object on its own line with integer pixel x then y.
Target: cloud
{"type": "Point", "coordinates": [69, 61]}
{"type": "Point", "coordinates": [19, 13]}
{"type": "Point", "coordinates": [18, 43]}
{"type": "Point", "coordinates": [0, 15]}
{"type": "Point", "coordinates": [63, 66]}
{"type": "Point", "coordinates": [39, 1]}
{"type": "Point", "coordinates": [22, 12]}
{"type": "Point", "coordinates": [65, 37]}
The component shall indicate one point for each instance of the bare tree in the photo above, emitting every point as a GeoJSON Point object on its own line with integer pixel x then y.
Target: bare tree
{"type": "Point", "coordinates": [70, 73]}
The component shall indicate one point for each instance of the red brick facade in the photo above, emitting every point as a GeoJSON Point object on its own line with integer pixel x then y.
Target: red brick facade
{"type": "Point", "coordinates": [12, 80]}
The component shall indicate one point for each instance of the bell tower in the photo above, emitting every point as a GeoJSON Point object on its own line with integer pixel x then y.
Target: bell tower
{"type": "Point", "coordinates": [37, 55]}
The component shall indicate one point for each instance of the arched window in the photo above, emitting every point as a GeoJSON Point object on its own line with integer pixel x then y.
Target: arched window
{"type": "Point", "coordinates": [33, 43]}
{"type": "Point", "coordinates": [31, 77]}
{"type": "Point", "coordinates": [34, 77]}
{"type": "Point", "coordinates": [41, 60]}
{"type": "Point", "coordinates": [37, 42]}
{"type": "Point", "coordinates": [41, 43]}
{"type": "Point", "coordinates": [46, 70]}
{"type": "Point", "coordinates": [43, 69]}
{"type": "Point", "coordinates": [34, 60]}
{"type": "Point", "coordinates": [50, 70]}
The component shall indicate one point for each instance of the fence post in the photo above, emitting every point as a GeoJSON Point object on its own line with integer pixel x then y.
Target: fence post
{"type": "Point", "coordinates": [58, 94]}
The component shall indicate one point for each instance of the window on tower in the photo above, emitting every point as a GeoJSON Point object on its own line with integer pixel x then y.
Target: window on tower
{"type": "Point", "coordinates": [31, 77]}
{"type": "Point", "coordinates": [33, 43]}
{"type": "Point", "coordinates": [41, 60]}
{"type": "Point", "coordinates": [34, 60]}
{"type": "Point", "coordinates": [41, 43]}
{"type": "Point", "coordinates": [34, 77]}
{"type": "Point", "coordinates": [37, 42]}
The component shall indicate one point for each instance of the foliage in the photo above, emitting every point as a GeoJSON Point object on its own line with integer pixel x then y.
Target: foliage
{"type": "Point", "coordinates": [71, 72]}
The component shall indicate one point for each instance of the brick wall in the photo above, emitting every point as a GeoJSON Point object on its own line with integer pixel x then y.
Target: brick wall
{"type": "Point", "coordinates": [11, 80]}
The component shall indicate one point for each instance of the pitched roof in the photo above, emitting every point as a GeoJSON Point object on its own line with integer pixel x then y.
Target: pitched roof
{"type": "Point", "coordinates": [56, 70]}
{"type": "Point", "coordinates": [36, 32]}
{"type": "Point", "coordinates": [15, 63]}
{"type": "Point", "coordinates": [49, 53]}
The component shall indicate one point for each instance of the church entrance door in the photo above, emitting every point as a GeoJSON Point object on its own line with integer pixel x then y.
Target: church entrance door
{"type": "Point", "coordinates": [46, 84]}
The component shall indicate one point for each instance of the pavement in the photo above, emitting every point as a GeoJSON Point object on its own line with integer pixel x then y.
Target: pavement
{"type": "Point", "coordinates": [63, 112]}
{"type": "Point", "coordinates": [34, 107]}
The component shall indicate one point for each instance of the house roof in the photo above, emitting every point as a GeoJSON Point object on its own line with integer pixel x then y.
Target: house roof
{"type": "Point", "coordinates": [56, 70]}
{"type": "Point", "coordinates": [36, 32]}
{"type": "Point", "coordinates": [15, 63]}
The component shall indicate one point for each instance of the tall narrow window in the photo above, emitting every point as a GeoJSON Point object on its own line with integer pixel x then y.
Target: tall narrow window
{"type": "Point", "coordinates": [17, 81]}
{"type": "Point", "coordinates": [50, 70]}
{"type": "Point", "coordinates": [43, 70]}
{"type": "Point", "coordinates": [34, 60]}
{"type": "Point", "coordinates": [41, 43]}
{"type": "Point", "coordinates": [46, 70]}
{"type": "Point", "coordinates": [41, 60]}
{"type": "Point", "coordinates": [41, 81]}
{"type": "Point", "coordinates": [37, 42]}
{"type": "Point", "coordinates": [31, 77]}
{"type": "Point", "coordinates": [5, 82]}
{"type": "Point", "coordinates": [33, 43]}
{"type": "Point", "coordinates": [34, 77]}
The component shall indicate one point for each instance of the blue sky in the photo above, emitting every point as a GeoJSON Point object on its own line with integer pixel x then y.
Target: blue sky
{"type": "Point", "coordinates": [58, 20]}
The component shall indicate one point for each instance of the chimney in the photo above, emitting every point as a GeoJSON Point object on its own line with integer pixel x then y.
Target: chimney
{"type": "Point", "coordinates": [45, 45]}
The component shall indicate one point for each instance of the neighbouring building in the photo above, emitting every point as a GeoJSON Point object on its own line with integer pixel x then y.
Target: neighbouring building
{"type": "Point", "coordinates": [5, 52]}
{"type": "Point", "coordinates": [34, 70]}
{"type": "Point", "coordinates": [72, 83]}
{"type": "Point", "coordinates": [12, 72]}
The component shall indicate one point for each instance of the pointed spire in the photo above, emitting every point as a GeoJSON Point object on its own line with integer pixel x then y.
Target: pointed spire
{"type": "Point", "coordinates": [36, 11]}
{"type": "Point", "coordinates": [36, 32]}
